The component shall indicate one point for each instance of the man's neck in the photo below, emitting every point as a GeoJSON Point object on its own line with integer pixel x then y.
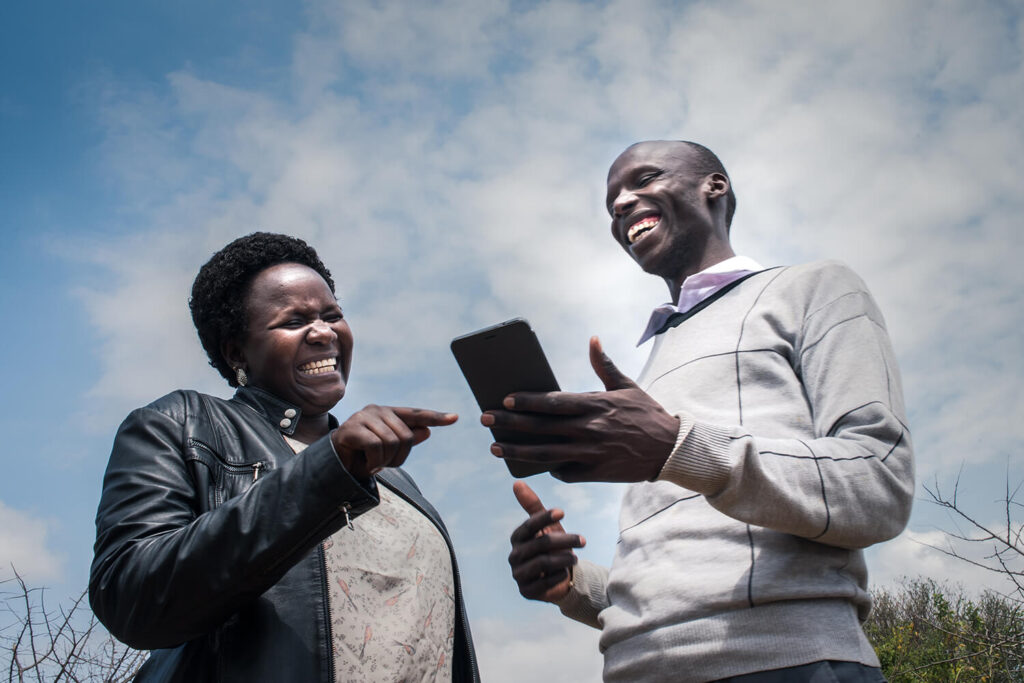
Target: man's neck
{"type": "Point", "coordinates": [710, 258]}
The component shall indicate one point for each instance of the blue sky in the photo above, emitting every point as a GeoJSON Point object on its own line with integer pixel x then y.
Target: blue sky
{"type": "Point", "coordinates": [447, 159]}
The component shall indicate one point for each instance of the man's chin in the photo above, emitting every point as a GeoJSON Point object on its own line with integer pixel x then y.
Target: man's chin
{"type": "Point", "coordinates": [648, 250]}
{"type": "Point", "coordinates": [653, 263]}
{"type": "Point", "coordinates": [660, 260]}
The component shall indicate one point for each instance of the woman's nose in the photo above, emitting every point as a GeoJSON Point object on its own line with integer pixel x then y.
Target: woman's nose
{"type": "Point", "coordinates": [320, 332]}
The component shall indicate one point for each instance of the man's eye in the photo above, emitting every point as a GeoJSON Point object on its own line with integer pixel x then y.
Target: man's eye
{"type": "Point", "coordinates": [333, 317]}
{"type": "Point", "coordinates": [645, 179]}
{"type": "Point", "coordinates": [294, 323]}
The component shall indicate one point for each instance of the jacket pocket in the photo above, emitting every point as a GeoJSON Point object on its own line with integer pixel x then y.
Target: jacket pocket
{"type": "Point", "coordinates": [225, 479]}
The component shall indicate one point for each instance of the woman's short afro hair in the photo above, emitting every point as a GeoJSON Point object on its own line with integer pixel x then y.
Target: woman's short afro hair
{"type": "Point", "coordinates": [222, 285]}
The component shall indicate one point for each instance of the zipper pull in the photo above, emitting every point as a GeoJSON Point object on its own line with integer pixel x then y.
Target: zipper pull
{"type": "Point", "coordinates": [256, 471]}
{"type": "Point", "coordinates": [345, 507]}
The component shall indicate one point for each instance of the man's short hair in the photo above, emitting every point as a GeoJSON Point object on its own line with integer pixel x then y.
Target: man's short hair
{"type": "Point", "coordinates": [706, 162]}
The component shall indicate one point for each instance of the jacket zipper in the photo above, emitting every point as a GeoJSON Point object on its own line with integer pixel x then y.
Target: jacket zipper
{"type": "Point", "coordinates": [327, 611]}
{"type": "Point", "coordinates": [232, 468]}
{"type": "Point", "coordinates": [345, 509]}
{"type": "Point", "coordinates": [324, 588]}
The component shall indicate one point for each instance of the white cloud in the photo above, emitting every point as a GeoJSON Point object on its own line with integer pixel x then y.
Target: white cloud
{"type": "Point", "coordinates": [545, 646]}
{"type": "Point", "coordinates": [140, 313]}
{"type": "Point", "coordinates": [441, 40]}
{"type": "Point", "coordinates": [914, 554]}
{"type": "Point", "coordinates": [24, 547]}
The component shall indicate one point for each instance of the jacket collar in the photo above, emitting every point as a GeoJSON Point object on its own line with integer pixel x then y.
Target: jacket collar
{"type": "Point", "coordinates": [282, 414]}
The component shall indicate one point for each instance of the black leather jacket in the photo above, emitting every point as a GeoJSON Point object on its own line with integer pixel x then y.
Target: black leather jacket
{"type": "Point", "coordinates": [208, 541]}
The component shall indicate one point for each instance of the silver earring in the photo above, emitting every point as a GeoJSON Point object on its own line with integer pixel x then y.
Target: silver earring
{"type": "Point", "coordinates": [241, 377]}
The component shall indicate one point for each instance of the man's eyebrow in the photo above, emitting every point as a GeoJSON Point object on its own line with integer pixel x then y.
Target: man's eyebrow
{"type": "Point", "coordinates": [644, 169]}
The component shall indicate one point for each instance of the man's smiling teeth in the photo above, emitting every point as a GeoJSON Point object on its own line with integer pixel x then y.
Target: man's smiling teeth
{"type": "Point", "coordinates": [641, 227]}
{"type": "Point", "coordinates": [318, 367]}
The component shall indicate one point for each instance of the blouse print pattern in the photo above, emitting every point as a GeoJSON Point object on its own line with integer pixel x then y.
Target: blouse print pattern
{"type": "Point", "coordinates": [392, 600]}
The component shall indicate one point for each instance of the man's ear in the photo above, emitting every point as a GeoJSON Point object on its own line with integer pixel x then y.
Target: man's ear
{"type": "Point", "coordinates": [716, 185]}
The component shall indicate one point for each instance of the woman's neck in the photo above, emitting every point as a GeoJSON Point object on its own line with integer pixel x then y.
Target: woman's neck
{"type": "Point", "coordinates": [311, 428]}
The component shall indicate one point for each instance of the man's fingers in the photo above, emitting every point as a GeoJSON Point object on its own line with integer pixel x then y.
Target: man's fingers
{"type": "Point", "coordinates": [529, 500]}
{"type": "Point", "coordinates": [558, 427]}
{"type": "Point", "coordinates": [538, 589]}
{"type": "Point", "coordinates": [606, 371]}
{"type": "Point", "coordinates": [542, 553]}
{"type": "Point", "coordinates": [552, 564]}
{"type": "Point", "coordinates": [544, 544]}
{"type": "Point", "coordinates": [549, 402]}
{"type": "Point", "coordinates": [572, 473]}
{"type": "Point", "coordinates": [536, 524]}
{"type": "Point", "coordinates": [548, 454]}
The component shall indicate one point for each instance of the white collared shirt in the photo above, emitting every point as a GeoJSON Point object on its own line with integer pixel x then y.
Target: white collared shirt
{"type": "Point", "coordinates": [698, 287]}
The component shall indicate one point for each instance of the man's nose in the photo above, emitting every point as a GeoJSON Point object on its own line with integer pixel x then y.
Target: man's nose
{"type": "Point", "coordinates": [623, 203]}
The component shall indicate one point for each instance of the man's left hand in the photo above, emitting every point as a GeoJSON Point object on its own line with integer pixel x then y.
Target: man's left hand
{"type": "Point", "coordinates": [620, 434]}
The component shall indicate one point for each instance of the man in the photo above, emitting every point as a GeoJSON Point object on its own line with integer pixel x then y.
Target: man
{"type": "Point", "coordinates": [765, 441]}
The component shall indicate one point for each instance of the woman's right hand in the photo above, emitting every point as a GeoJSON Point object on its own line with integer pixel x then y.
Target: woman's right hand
{"type": "Point", "coordinates": [382, 436]}
{"type": "Point", "coordinates": [542, 558]}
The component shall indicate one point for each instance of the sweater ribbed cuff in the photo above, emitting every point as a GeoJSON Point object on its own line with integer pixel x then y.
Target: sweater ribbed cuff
{"type": "Point", "coordinates": [586, 597]}
{"type": "Point", "coordinates": [701, 460]}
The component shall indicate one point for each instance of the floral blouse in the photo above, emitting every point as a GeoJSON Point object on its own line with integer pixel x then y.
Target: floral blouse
{"type": "Point", "coordinates": [391, 595]}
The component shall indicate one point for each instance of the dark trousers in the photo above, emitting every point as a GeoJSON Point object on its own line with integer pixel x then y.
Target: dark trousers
{"type": "Point", "coordinates": [816, 672]}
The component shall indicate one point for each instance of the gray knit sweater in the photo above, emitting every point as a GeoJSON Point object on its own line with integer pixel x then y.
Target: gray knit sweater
{"type": "Point", "coordinates": [745, 555]}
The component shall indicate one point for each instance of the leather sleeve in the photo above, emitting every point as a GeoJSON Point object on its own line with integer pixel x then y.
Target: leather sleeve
{"type": "Point", "coordinates": [166, 569]}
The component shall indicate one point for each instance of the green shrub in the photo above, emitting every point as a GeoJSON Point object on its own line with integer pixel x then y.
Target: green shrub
{"type": "Point", "coordinates": [926, 631]}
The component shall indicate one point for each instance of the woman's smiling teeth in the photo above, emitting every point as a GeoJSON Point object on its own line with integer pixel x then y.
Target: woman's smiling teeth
{"type": "Point", "coordinates": [641, 228]}
{"type": "Point", "coordinates": [319, 367]}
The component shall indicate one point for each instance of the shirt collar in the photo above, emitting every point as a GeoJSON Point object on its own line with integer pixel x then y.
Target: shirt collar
{"type": "Point", "coordinates": [729, 265]}
{"type": "Point", "coordinates": [698, 287]}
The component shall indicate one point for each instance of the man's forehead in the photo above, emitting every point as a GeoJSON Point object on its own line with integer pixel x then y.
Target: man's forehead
{"type": "Point", "coordinates": [653, 152]}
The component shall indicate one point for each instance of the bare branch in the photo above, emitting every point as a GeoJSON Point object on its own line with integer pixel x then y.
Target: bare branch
{"type": "Point", "coordinates": [66, 644]}
{"type": "Point", "coordinates": [951, 504]}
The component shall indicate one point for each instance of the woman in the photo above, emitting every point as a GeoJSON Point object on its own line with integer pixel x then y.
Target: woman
{"type": "Point", "coordinates": [256, 539]}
